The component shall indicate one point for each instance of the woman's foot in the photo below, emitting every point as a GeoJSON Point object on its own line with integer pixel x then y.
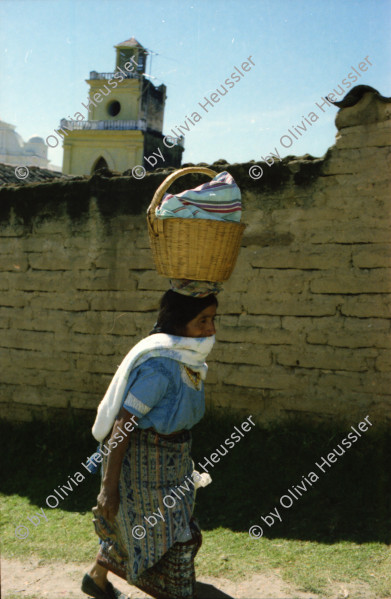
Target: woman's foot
{"type": "Point", "coordinates": [96, 585]}
{"type": "Point", "coordinates": [89, 587]}
{"type": "Point", "coordinates": [99, 576]}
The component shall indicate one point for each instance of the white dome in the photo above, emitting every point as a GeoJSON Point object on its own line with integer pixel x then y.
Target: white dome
{"type": "Point", "coordinates": [36, 140]}
{"type": "Point", "coordinates": [36, 146]}
{"type": "Point", "coordinates": [14, 151]}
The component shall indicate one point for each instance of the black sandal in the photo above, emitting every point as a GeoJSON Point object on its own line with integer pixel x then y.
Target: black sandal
{"type": "Point", "coordinates": [89, 587]}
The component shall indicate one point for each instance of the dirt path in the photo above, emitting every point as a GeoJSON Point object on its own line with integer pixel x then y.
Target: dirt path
{"type": "Point", "coordinates": [32, 579]}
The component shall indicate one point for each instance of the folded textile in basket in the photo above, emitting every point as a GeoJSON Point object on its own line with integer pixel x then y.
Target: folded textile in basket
{"type": "Point", "coordinates": [218, 199]}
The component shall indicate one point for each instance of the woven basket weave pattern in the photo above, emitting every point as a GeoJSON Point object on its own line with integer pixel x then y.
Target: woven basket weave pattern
{"type": "Point", "coordinates": [197, 249]}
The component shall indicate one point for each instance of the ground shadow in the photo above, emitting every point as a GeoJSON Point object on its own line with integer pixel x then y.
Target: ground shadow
{"type": "Point", "coordinates": [208, 591]}
{"type": "Point", "coordinates": [264, 471]}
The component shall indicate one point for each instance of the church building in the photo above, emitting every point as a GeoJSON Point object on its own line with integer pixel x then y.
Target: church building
{"type": "Point", "coordinates": [15, 151]}
{"type": "Point", "coordinates": [124, 119]}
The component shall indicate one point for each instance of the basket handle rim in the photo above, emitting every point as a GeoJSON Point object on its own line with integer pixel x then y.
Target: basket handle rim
{"type": "Point", "coordinates": [161, 190]}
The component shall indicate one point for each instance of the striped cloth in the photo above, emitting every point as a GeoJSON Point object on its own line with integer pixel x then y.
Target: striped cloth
{"type": "Point", "coordinates": [154, 480]}
{"type": "Point", "coordinates": [218, 199]}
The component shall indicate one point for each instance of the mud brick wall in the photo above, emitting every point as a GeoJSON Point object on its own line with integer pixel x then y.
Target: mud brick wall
{"type": "Point", "coordinates": [304, 322]}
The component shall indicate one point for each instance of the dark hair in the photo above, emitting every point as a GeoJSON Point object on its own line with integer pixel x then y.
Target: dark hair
{"type": "Point", "coordinates": [176, 310]}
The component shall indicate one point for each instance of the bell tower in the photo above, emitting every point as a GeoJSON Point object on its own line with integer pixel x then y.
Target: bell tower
{"type": "Point", "coordinates": [124, 118]}
{"type": "Point", "coordinates": [131, 50]}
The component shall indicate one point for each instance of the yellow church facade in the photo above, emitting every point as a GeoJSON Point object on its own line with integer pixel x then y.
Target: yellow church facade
{"type": "Point", "coordinates": [125, 119]}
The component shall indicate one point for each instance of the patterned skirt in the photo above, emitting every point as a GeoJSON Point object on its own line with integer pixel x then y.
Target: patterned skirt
{"type": "Point", "coordinates": [144, 544]}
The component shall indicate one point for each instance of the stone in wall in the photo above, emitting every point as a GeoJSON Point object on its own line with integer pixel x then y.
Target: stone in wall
{"type": "Point", "coordinates": [304, 321]}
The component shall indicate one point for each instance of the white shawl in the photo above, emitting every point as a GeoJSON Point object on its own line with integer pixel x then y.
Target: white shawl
{"type": "Point", "coordinates": [192, 351]}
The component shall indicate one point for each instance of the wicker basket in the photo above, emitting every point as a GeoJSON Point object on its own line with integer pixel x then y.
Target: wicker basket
{"type": "Point", "coordinates": [191, 248]}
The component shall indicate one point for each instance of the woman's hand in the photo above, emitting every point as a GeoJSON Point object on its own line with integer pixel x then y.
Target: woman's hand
{"type": "Point", "coordinates": [108, 501]}
{"type": "Point", "coordinates": [108, 498]}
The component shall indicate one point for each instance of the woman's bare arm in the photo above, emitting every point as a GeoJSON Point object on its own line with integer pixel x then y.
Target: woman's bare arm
{"type": "Point", "coordinates": [108, 498]}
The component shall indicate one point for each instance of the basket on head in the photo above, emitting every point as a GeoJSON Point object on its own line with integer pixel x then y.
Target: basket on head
{"type": "Point", "coordinates": [192, 248]}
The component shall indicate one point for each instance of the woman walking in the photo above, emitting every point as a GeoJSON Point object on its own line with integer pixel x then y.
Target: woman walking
{"type": "Point", "coordinates": [144, 509]}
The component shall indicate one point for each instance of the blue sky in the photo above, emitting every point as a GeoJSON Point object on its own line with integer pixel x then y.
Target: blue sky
{"type": "Point", "coordinates": [302, 49]}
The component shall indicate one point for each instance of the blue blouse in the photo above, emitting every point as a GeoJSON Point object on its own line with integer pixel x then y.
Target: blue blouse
{"type": "Point", "coordinates": [163, 396]}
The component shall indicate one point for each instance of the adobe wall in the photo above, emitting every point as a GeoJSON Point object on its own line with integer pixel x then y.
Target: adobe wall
{"type": "Point", "coordinates": [304, 325]}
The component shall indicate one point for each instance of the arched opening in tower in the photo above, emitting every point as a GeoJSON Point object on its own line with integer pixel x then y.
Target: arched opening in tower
{"type": "Point", "coordinates": [100, 163]}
